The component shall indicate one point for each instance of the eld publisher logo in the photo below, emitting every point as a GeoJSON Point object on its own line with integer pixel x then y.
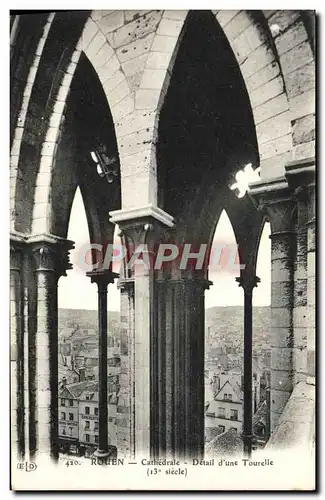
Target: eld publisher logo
{"type": "Point", "coordinates": [27, 466]}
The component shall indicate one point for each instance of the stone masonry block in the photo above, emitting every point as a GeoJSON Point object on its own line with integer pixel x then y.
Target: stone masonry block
{"type": "Point", "coordinates": [303, 104]}
{"type": "Point", "coordinates": [280, 336]}
{"type": "Point", "coordinates": [274, 167]}
{"type": "Point", "coordinates": [305, 150]}
{"type": "Point", "coordinates": [134, 81]}
{"type": "Point", "coordinates": [153, 79]}
{"type": "Point", "coordinates": [135, 49]}
{"type": "Point", "coordinates": [257, 60]}
{"type": "Point", "coordinates": [281, 358]}
{"type": "Point", "coordinates": [137, 121]}
{"type": "Point", "coordinates": [267, 91]}
{"type": "Point", "coordinates": [291, 38]}
{"type": "Point", "coordinates": [170, 27]}
{"type": "Point", "coordinates": [177, 15]}
{"type": "Point", "coordinates": [137, 141]}
{"type": "Point", "coordinates": [136, 65]}
{"type": "Point", "coordinates": [139, 190]}
{"type": "Point", "coordinates": [164, 44]}
{"type": "Point", "coordinates": [98, 14]}
{"type": "Point", "coordinates": [52, 134]}
{"type": "Point", "coordinates": [48, 149]}
{"type": "Point", "coordinates": [137, 29]}
{"type": "Point", "coordinates": [103, 56]}
{"type": "Point", "coordinates": [119, 93]}
{"type": "Point", "coordinates": [280, 317]}
{"type": "Point", "coordinates": [111, 22]}
{"type": "Point", "coordinates": [271, 108]}
{"type": "Point", "coordinates": [296, 57]}
{"type": "Point", "coordinates": [147, 99]}
{"type": "Point", "coordinates": [275, 147]}
{"type": "Point", "coordinates": [301, 80]}
{"type": "Point", "coordinates": [263, 75]}
{"type": "Point", "coordinates": [281, 382]}
{"type": "Point", "coordinates": [139, 162]}
{"type": "Point", "coordinates": [42, 194]}
{"type": "Point", "coordinates": [158, 60]}
{"type": "Point", "coordinates": [95, 45]}
{"type": "Point", "coordinates": [72, 67]}
{"type": "Point", "coordinates": [274, 127]}
{"type": "Point", "coordinates": [225, 16]}
{"type": "Point", "coordinates": [248, 41]}
{"type": "Point", "coordinates": [88, 33]}
{"type": "Point", "coordinates": [132, 15]}
{"type": "Point", "coordinates": [107, 71]}
{"type": "Point", "coordinates": [123, 108]}
{"type": "Point", "coordinates": [304, 129]}
{"type": "Point", "coordinates": [283, 18]}
{"type": "Point", "coordinates": [113, 81]}
{"type": "Point", "coordinates": [237, 25]}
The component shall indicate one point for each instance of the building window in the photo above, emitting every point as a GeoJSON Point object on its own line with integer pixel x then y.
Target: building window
{"type": "Point", "coordinates": [62, 415]}
{"type": "Point", "coordinates": [71, 402]}
{"type": "Point", "coordinates": [234, 414]}
{"type": "Point", "coordinates": [222, 428]}
{"type": "Point", "coordinates": [87, 412]}
{"type": "Point", "coordinates": [87, 397]}
{"type": "Point", "coordinates": [70, 416]}
{"type": "Point", "coordinates": [87, 424]}
{"type": "Point", "coordinates": [96, 439]}
{"type": "Point", "coordinates": [95, 426]}
{"type": "Point", "coordinates": [62, 402]}
{"type": "Point", "coordinates": [221, 412]}
{"type": "Point", "coordinates": [96, 410]}
{"type": "Point", "coordinates": [227, 397]}
{"type": "Point", "coordinates": [71, 431]}
{"type": "Point", "coordinates": [63, 432]}
{"type": "Point", "coordinates": [87, 438]}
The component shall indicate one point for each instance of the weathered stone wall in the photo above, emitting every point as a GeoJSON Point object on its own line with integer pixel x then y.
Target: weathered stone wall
{"type": "Point", "coordinates": [296, 424]}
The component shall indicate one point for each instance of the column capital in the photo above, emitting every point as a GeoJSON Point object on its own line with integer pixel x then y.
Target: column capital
{"type": "Point", "coordinates": [17, 245]}
{"type": "Point", "coordinates": [146, 214]}
{"type": "Point", "coordinates": [248, 282]}
{"type": "Point", "coordinates": [103, 277]}
{"type": "Point", "coordinates": [138, 224]}
{"type": "Point", "coordinates": [300, 174]}
{"type": "Point", "coordinates": [51, 253]}
{"type": "Point", "coordinates": [275, 198]}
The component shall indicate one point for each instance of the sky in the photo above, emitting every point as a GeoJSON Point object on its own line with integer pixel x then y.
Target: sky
{"type": "Point", "coordinates": [77, 292]}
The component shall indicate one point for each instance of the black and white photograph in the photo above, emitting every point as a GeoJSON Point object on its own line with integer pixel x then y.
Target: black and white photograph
{"type": "Point", "coordinates": [162, 250]}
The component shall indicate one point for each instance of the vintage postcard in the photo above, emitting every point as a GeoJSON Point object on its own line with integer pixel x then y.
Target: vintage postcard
{"type": "Point", "coordinates": [162, 250]}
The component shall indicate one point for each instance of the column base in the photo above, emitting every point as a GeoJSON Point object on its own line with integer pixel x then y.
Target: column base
{"type": "Point", "coordinates": [249, 441]}
{"type": "Point", "coordinates": [101, 453]}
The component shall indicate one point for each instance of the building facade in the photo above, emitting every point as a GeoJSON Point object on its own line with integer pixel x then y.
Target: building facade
{"type": "Point", "coordinates": [225, 411]}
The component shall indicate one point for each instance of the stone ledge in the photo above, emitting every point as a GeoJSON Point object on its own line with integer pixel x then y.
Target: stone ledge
{"type": "Point", "coordinates": [140, 213]}
{"type": "Point", "coordinates": [296, 424]}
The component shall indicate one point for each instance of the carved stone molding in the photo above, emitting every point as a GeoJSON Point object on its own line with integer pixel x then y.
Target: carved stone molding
{"type": "Point", "coordinates": [275, 198]}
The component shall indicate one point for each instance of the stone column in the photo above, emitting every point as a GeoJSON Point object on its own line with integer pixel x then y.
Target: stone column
{"type": "Point", "coordinates": [102, 278]}
{"type": "Point", "coordinates": [178, 367]}
{"type": "Point", "coordinates": [300, 294]}
{"type": "Point", "coordinates": [248, 283]}
{"type": "Point", "coordinates": [276, 200]}
{"type": "Point", "coordinates": [300, 175]}
{"type": "Point", "coordinates": [17, 351]}
{"type": "Point", "coordinates": [126, 396]}
{"type": "Point", "coordinates": [140, 228]}
{"type": "Point", "coordinates": [311, 289]}
{"type": "Point", "coordinates": [51, 262]}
